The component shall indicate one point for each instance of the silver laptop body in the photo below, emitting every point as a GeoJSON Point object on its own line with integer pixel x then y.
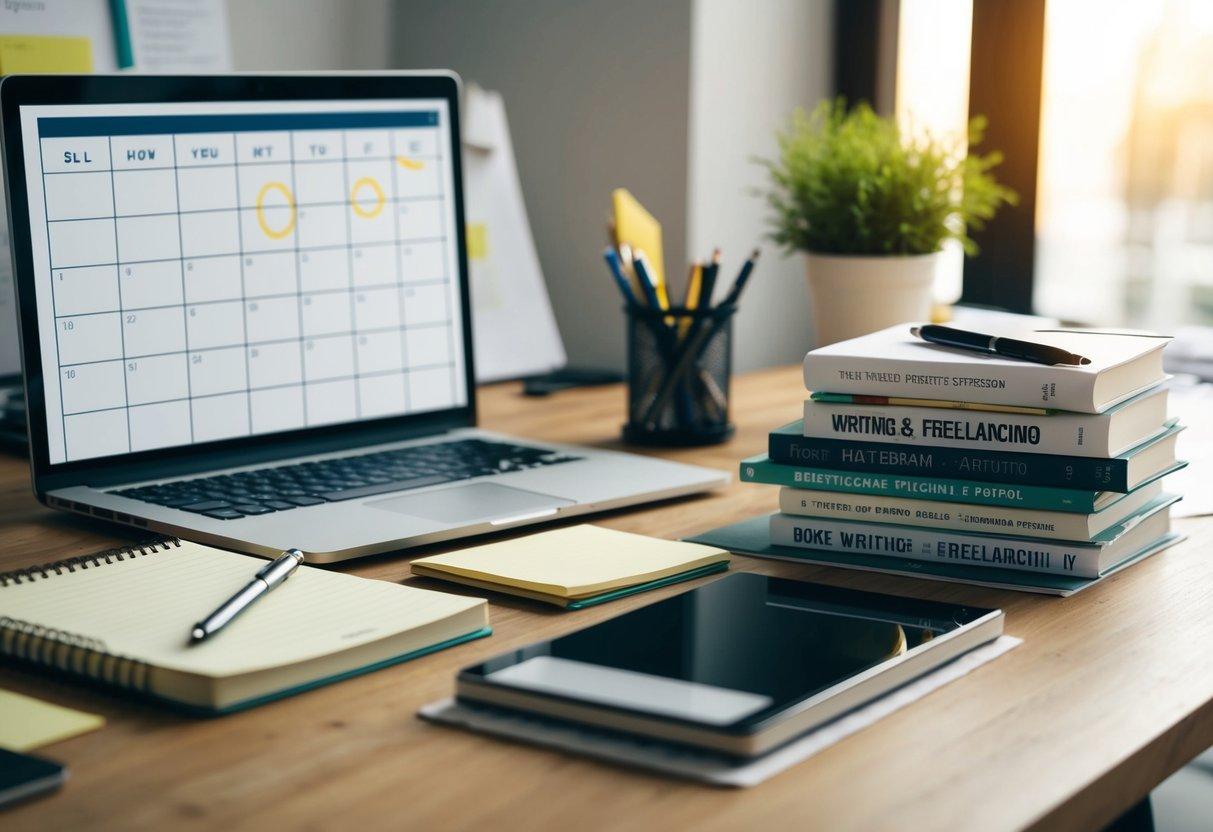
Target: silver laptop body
{"type": "Point", "coordinates": [251, 292]}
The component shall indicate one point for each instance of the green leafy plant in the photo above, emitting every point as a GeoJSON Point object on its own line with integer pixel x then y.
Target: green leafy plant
{"type": "Point", "coordinates": [851, 182]}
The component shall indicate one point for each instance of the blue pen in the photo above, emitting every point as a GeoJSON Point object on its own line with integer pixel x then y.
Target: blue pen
{"type": "Point", "coordinates": [646, 283]}
{"type": "Point", "coordinates": [625, 288]}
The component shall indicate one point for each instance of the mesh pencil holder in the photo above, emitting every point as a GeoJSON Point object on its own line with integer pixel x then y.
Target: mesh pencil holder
{"type": "Point", "coordinates": [679, 367]}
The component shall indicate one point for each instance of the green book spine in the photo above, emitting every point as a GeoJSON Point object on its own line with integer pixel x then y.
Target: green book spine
{"type": "Point", "coordinates": [761, 469]}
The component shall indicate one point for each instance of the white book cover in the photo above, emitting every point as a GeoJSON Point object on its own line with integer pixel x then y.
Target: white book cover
{"type": "Point", "coordinates": [1099, 435]}
{"type": "Point", "coordinates": [893, 362]}
{"type": "Point", "coordinates": [1083, 560]}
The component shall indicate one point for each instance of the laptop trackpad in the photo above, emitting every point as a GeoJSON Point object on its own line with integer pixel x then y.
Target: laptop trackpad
{"type": "Point", "coordinates": [472, 503]}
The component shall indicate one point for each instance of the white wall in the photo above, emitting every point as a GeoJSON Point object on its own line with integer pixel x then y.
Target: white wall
{"type": "Point", "coordinates": [310, 34]}
{"type": "Point", "coordinates": [574, 97]}
{"type": "Point", "coordinates": [751, 65]}
{"type": "Point", "coordinates": [597, 93]}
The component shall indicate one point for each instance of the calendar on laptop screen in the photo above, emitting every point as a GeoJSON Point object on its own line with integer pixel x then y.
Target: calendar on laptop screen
{"type": "Point", "coordinates": [211, 271]}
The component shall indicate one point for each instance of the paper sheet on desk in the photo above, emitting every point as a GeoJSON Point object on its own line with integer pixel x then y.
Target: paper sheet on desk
{"type": "Point", "coordinates": [1193, 404]}
{"type": "Point", "coordinates": [31, 723]}
{"type": "Point", "coordinates": [707, 768]}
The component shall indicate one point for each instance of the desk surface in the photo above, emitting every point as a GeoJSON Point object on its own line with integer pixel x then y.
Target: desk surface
{"type": "Point", "coordinates": [1110, 693]}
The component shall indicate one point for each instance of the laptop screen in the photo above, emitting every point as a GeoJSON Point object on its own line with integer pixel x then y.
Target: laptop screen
{"type": "Point", "coordinates": [208, 271]}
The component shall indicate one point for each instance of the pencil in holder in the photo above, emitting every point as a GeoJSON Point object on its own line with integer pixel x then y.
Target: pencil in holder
{"type": "Point", "coordinates": [679, 368]}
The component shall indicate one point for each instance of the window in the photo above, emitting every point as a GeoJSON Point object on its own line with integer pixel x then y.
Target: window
{"type": "Point", "coordinates": [1124, 221]}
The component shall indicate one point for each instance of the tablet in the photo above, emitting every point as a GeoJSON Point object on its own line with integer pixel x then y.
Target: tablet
{"type": "Point", "coordinates": [741, 666]}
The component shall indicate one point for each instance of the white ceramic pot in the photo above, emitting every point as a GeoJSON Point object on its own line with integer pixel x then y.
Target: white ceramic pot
{"type": "Point", "coordinates": [854, 295]}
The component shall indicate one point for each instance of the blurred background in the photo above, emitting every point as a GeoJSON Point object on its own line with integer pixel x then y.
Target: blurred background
{"type": "Point", "coordinates": [1104, 111]}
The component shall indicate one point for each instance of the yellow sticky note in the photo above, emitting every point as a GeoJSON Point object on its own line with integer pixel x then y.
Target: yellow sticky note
{"type": "Point", "coordinates": [30, 723]}
{"type": "Point", "coordinates": [638, 228]}
{"type": "Point", "coordinates": [478, 241]}
{"type": "Point", "coordinates": [572, 562]}
{"type": "Point", "coordinates": [30, 53]}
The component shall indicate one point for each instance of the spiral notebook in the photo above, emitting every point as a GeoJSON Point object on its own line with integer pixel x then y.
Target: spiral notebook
{"type": "Point", "coordinates": [123, 617]}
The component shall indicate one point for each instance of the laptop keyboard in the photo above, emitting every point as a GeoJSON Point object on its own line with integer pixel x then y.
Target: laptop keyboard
{"type": "Point", "coordinates": [250, 493]}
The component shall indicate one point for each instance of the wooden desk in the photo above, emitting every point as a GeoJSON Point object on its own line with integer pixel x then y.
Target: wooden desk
{"type": "Point", "coordinates": [1111, 692]}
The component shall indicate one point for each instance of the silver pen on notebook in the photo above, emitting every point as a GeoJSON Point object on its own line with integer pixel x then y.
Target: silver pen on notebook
{"type": "Point", "coordinates": [268, 577]}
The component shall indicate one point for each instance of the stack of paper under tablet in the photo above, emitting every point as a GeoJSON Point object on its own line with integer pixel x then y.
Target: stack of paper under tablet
{"type": "Point", "coordinates": [575, 567]}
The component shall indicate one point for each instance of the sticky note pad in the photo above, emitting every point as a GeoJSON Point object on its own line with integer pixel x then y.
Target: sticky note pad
{"type": "Point", "coordinates": [638, 228]}
{"type": "Point", "coordinates": [478, 240]}
{"type": "Point", "coordinates": [30, 723]}
{"type": "Point", "coordinates": [32, 53]}
{"type": "Point", "coordinates": [573, 564]}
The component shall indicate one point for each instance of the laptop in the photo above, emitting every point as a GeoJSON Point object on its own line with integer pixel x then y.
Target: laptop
{"type": "Point", "coordinates": [245, 319]}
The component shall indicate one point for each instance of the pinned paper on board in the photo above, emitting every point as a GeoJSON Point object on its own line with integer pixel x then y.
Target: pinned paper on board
{"type": "Point", "coordinates": [41, 54]}
{"type": "Point", "coordinates": [172, 35]}
{"type": "Point", "coordinates": [515, 329]}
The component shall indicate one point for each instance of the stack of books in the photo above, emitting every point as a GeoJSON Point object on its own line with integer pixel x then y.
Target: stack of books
{"type": "Point", "coordinates": [919, 458]}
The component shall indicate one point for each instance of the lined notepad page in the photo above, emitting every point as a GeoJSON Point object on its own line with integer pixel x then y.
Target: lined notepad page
{"type": "Point", "coordinates": [575, 561]}
{"type": "Point", "coordinates": [144, 608]}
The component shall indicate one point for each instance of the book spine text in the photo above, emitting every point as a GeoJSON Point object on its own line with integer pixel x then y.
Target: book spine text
{"type": "Point", "coordinates": [1029, 386]}
{"type": "Point", "coordinates": [945, 547]}
{"type": "Point", "coordinates": [1050, 525]}
{"type": "Point", "coordinates": [1073, 434]}
{"type": "Point", "coordinates": [1041, 498]}
{"type": "Point", "coordinates": [919, 460]}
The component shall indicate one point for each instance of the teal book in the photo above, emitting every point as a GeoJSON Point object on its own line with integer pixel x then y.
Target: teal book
{"type": "Point", "coordinates": [122, 618]}
{"type": "Point", "coordinates": [761, 469]}
{"type": "Point", "coordinates": [789, 446]}
{"type": "Point", "coordinates": [752, 537]}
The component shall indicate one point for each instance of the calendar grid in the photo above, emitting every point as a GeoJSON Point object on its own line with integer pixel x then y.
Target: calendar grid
{"type": "Point", "coordinates": [298, 287]}
{"type": "Point", "coordinates": [192, 211]}
{"type": "Point", "coordinates": [404, 351]}
{"type": "Point", "coordinates": [173, 278]}
{"type": "Point", "coordinates": [248, 379]}
{"type": "Point", "coordinates": [305, 249]}
{"type": "Point", "coordinates": [283, 386]}
{"type": "Point", "coordinates": [349, 253]}
{"type": "Point", "coordinates": [315, 292]}
{"type": "Point", "coordinates": [181, 248]}
{"type": "Point", "coordinates": [270, 343]}
{"type": "Point", "coordinates": [268, 164]}
{"type": "Point", "coordinates": [126, 394]}
{"type": "Point", "coordinates": [450, 335]}
{"type": "Point", "coordinates": [50, 265]}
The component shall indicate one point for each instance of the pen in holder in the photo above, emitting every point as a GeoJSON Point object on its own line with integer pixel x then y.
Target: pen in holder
{"type": "Point", "coordinates": [679, 367]}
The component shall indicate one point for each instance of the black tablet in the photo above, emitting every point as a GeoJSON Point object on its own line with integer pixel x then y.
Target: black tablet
{"type": "Point", "coordinates": [741, 665]}
{"type": "Point", "coordinates": [23, 776]}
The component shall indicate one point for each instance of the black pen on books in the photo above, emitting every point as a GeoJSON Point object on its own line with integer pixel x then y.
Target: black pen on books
{"type": "Point", "coordinates": [994, 345]}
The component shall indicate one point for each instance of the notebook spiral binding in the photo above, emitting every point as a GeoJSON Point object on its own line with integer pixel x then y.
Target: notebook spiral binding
{"type": "Point", "coordinates": [115, 555]}
{"type": "Point", "coordinates": [71, 652]}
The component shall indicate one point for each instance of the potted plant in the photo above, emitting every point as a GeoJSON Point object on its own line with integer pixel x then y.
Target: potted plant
{"type": "Point", "coordinates": [873, 208]}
